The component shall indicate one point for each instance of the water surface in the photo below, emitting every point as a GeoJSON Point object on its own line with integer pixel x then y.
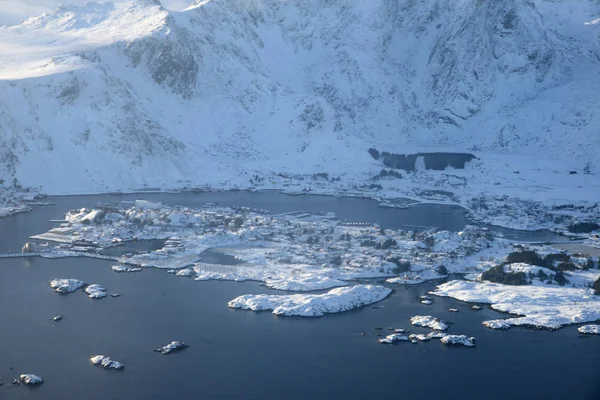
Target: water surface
{"type": "Point", "coordinates": [236, 354]}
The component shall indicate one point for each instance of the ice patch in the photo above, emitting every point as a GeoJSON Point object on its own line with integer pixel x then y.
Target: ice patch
{"type": "Point", "coordinates": [313, 305]}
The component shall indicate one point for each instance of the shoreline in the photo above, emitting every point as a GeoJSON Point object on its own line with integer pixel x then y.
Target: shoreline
{"type": "Point", "coordinates": [381, 202]}
{"type": "Point", "coordinates": [294, 259]}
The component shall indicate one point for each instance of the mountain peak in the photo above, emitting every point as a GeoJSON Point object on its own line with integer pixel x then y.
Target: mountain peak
{"type": "Point", "coordinates": [52, 38]}
{"type": "Point", "coordinates": [72, 17]}
{"type": "Point", "coordinates": [295, 82]}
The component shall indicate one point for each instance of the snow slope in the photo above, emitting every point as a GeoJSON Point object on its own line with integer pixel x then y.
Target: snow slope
{"type": "Point", "coordinates": [121, 96]}
{"type": "Point", "coordinates": [313, 305]}
{"type": "Point", "coordinates": [538, 306]}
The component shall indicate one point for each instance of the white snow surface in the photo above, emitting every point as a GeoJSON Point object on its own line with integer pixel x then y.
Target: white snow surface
{"type": "Point", "coordinates": [122, 268]}
{"type": "Point", "coordinates": [589, 329]}
{"type": "Point", "coordinates": [313, 305]}
{"type": "Point", "coordinates": [304, 283]}
{"type": "Point", "coordinates": [96, 291]}
{"type": "Point", "coordinates": [499, 324]}
{"type": "Point", "coordinates": [527, 269]}
{"type": "Point", "coordinates": [419, 337]}
{"type": "Point", "coordinates": [458, 340]}
{"type": "Point", "coordinates": [185, 272]}
{"type": "Point", "coordinates": [541, 306]}
{"type": "Point", "coordinates": [393, 338]}
{"type": "Point", "coordinates": [66, 285]}
{"type": "Point", "coordinates": [427, 321]}
{"type": "Point", "coordinates": [127, 95]}
{"type": "Point", "coordinates": [436, 335]}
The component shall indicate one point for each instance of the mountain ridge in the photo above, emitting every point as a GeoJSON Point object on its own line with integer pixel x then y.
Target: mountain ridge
{"type": "Point", "coordinates": [123, 95]}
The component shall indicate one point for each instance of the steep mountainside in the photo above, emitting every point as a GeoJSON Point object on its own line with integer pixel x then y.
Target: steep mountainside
{"type": "Point", "coordinates": [117, 96]}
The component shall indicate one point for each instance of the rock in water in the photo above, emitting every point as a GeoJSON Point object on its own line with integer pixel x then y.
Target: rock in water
{"type": "Point", "coordinates": [106, 362]}
{"type": "Point", "coordinates": [496, 324]}
{"type": "Point", "coordinates": [428, 321]}
{"type": "Point", "coordinates": [419, 337]}
{"type": "Point", "coordinates": [122, 268]}
{"type": "Point", "coordinates": [31, 379]}
{"type": "Point", "coordinates": [96, 291]}
{"type": "Point", "coordinates": [185, 272]}
{"type": "Point", "coordinates": [393, 338]}
{"type": "Point", "coordinates": [313, 305]}
{"type": "Point", "coordinates": [172, 347]}
{"type": "Point", "coordinates": [462, 340]}
{"type": "Point", "coordinates": [65, 285]}
{"type": "Point", "coordinates": [436, 335]}
{"type": "Point", "coordinates": [589, 329]}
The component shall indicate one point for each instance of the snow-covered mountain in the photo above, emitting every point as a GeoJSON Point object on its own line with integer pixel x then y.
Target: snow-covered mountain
{"type": "Point", "coordinates": [114, 96]}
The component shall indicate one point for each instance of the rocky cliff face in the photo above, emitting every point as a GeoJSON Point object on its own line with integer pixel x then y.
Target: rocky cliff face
{"type": "Point", "coordinates": [112, 96]}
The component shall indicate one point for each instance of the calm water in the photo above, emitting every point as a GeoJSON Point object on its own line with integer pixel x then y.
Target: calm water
{"type": "Point", "coordinates": [237, 354]}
